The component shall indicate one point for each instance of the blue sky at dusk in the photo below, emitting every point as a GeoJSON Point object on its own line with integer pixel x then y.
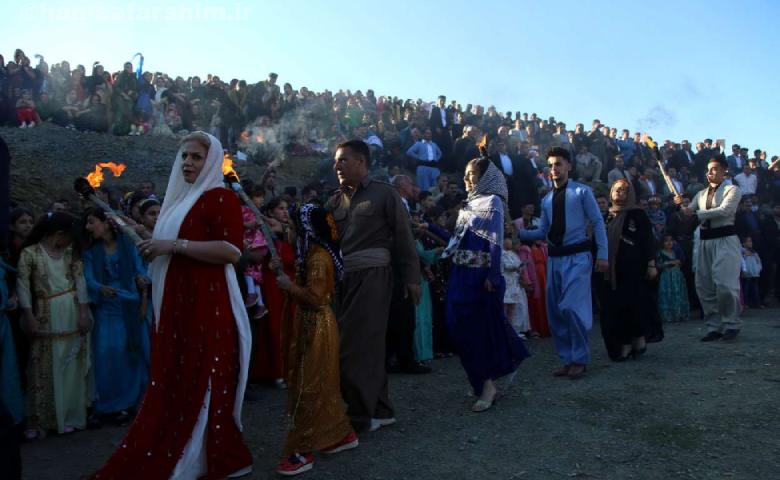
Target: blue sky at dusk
{"type": "Point", "coordinates": [682, 69]}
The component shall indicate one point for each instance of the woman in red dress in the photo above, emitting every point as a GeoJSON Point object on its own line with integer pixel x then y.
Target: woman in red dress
{"type": "Point", "coordinates": [189, 423]}
{"type": "Point", "coordinates": [270, 353]}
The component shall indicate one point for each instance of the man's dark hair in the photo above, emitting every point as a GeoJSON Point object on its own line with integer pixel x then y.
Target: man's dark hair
{"type": "Point", "coordinates": [720, 160]}
{"type": "Point", "coordinates": [308, 189]}
{"type": "Point", "coordinates": [558, 152]}
{"type": "Point", "coordinates": [358, 146]}
{"type": "Point", "coordinates": [423, 195]}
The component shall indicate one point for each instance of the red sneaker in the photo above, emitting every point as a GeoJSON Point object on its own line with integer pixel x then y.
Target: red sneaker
{"type": "Point", "coordinates": [295, 464]}
{"type": "Point", "coordinates": [348, 443]}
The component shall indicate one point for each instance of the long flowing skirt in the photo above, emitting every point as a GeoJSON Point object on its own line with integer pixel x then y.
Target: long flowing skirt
{"type": "Point", "coordinates": [58, 374]}
{"type": "Point", "coordinates": [121, 367]}
{"type": "Point", "coordinates": [318, 415]}
{"type": "Point", "coordinates": [10, 385]}
{"type": "Point", "coordinates": [488, 346]}
{"type": "Point", "coordinates": [673, 296]}
{"type": "Point", "coordinates": [423, 331]}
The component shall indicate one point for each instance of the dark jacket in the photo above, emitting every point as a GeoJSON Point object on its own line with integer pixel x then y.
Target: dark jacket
{"type": "Point", "coordinates": [521, 183]}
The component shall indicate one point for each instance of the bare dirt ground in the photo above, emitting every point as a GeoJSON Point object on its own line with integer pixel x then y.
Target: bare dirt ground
{"type": "Point", "coordinates": [686, 410]}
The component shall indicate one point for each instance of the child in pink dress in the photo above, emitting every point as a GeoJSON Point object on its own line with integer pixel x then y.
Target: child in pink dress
{"type": "Point", "coordinates": [254, 241]}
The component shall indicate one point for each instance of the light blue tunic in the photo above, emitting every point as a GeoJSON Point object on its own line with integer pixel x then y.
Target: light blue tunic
{"type": "Point", "coordinates": [569, 308]}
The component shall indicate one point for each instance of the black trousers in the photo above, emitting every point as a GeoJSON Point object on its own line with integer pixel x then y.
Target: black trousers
{"type": "Point", "coordinates": [400, 326]}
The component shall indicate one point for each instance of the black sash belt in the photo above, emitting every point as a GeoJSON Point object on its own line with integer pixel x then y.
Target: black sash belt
{"type": "Point", "coordinates": [425, 163]}
{"type": "Point", "coordinates": [717, 232]}
{"type": "Point", "coordinates": [566, 250]}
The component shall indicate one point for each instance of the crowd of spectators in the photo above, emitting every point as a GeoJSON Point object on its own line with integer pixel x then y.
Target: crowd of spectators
{"type": "Point", "coordinates": [433, 140]}
{"type": "Point", "coordinates": [428, 141]}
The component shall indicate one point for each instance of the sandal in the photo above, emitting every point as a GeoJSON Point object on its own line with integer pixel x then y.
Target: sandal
{"type": "Point", "coordinates": [482, 405]}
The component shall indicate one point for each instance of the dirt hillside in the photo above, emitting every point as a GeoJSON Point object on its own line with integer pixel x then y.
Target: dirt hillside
{"type": "Point", "coordinates": [46, 159]}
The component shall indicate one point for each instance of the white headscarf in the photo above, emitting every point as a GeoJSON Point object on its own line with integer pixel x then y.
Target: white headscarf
{"type": "Point", "coordinates": [180, 196]}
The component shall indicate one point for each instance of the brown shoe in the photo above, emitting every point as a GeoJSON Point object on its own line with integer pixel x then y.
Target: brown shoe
{"type": "Point", "coordinates": [576, 371]}
{"type": "Point", "coordinates": [562, 372]}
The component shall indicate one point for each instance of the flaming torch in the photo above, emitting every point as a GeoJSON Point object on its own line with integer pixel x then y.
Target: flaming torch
{"type": "Point", "coordinates": [232, 180]}
{"type": "Point", "coordinates": [86, 188]}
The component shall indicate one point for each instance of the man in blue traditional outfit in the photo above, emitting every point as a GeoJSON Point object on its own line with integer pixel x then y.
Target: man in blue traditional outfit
{"type": "Point", "coordinates": [567, 212]}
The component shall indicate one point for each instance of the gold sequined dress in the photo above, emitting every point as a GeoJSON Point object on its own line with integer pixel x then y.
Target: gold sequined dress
{"type": "Point", "coordinates": [318, 414]}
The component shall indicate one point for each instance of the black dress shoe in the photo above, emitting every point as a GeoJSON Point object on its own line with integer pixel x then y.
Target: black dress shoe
{"type": "Point", "coordinates": [712, 336]}
{"type": "Point", "coordinates": [730, 334]}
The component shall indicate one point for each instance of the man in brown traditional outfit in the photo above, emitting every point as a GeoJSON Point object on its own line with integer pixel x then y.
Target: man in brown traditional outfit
{"type": "Point", "coordinates": [375, 236]}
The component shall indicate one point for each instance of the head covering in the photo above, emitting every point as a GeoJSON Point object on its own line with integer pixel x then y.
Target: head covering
{"type": "Point", "coordinates": [180, 196]}
{"type": "Point", "coordinates": [492, 182]}
{"type": "Point", "coordinates": [615, 226]}
{"type": "Point", "coordinates": [484, 212]}
{"type": "Point", "coordinates": [315, 224]}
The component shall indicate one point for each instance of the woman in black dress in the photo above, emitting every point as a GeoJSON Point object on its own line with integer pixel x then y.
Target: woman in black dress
{"type": "Point", "coordinates": [628, 314]}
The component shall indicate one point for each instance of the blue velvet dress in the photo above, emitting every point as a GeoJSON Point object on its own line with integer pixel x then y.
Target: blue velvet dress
{"type": "Point", "coordinates": [120, 337]}
{"type": "Point", "coordinates": [11, 400]}
{"type": "Point", "coordinates": [488, 346]}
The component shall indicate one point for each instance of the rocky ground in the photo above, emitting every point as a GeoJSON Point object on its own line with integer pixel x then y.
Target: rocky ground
{"type": "Point", "coordinates": [46, 159]}
{"type": "Point", "coordinates": [686, 410]}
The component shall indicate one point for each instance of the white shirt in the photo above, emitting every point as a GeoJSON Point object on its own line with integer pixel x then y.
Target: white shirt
{"type": "Point", "coordinates": [585, 158]}
{"type": "Point", "coordinates": [506, 163]}
{"type": "Point", "coordinates": [650, 185]}
{"type": "Point", "coordinates": [443, 116]}
{"type": "Point", "coordinates": [429, 148]}
{"type": "Point", "coordinates": [678, 185]}
{"type": "Point", "coordinates": [519, 133]}
{"type": "Point", "coordinates": [747, 183]}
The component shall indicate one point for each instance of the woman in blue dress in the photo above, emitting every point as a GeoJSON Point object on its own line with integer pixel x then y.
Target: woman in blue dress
{"type": "Point", "coordinates": [11, 401]}
{"type": "Point", "coordinates": [120, 343]}
{"type": "Point", "coordinates": [488, 346]}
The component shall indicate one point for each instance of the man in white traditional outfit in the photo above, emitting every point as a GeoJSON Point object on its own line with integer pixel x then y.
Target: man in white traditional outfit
{"type": "Point", "coordinates": [717, 260]}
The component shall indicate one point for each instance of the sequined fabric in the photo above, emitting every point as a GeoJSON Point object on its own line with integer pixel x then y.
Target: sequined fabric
{"type": "Point", "coordinates": [195, 343]}
{"type": "Point", "coordinates": [318, 417]}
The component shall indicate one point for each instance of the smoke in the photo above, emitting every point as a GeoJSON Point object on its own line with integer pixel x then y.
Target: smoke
{"type": "Point", "coordinates": [305, 125]}
{"type": "Point", "coordinates": [658, 116]}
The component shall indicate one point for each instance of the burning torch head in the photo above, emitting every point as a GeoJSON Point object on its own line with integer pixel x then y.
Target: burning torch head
{"type": "Point", "coordinates": [82, 187]}
{"type": "Point", "coordinates": [229, 173]}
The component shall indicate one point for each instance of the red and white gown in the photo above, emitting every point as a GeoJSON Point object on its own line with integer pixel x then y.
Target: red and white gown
{"type": "Point", "coordinates": [186, 426]}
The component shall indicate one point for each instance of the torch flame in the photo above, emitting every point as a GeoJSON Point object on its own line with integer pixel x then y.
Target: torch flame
{"type": "Point", "coordinates": [483, 145]}
{"type": "Point", "coordinates": [227, 165]}
{"type": "Point", "coordinates": [96, 177]}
